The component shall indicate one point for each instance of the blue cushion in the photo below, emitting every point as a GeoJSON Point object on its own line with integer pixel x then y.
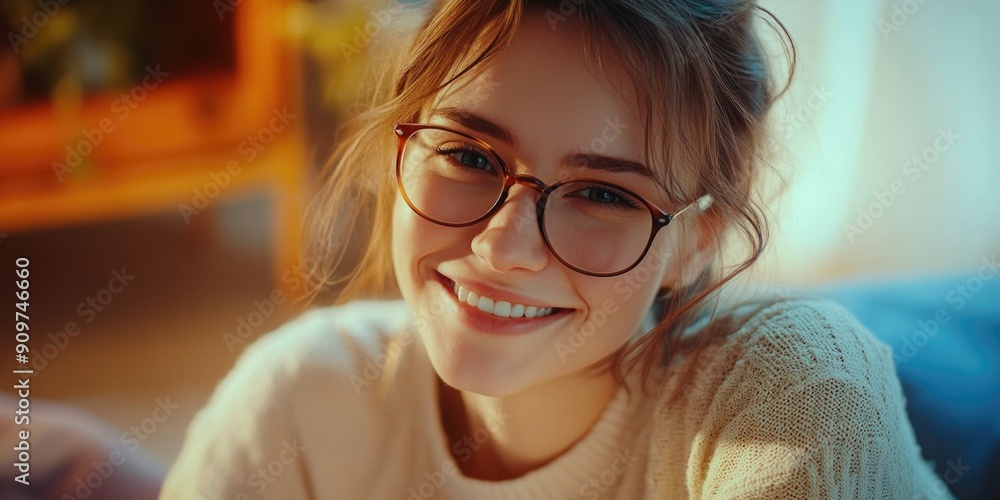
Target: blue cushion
{"type": "Point", "coordinates": [945, 337]}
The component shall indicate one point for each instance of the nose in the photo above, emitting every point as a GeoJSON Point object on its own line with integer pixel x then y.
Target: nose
{"type": "Point", "coordinates": [511, 238]}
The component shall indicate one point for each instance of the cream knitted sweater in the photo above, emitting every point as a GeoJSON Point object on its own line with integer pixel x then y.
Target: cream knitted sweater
{"type": "Point", "coordinates": [799, 401]}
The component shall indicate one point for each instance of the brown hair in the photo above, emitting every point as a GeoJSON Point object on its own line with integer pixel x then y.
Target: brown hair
{"type": "Point", "coordinates": [698, 72]}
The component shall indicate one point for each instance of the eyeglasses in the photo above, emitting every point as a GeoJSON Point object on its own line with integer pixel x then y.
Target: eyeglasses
{"type": "Point", "coordinates": [591, 226]}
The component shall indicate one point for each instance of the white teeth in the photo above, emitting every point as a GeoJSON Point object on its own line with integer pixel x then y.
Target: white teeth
{"type": "Point", "coordinates": [486, 305]}
{"type": "Point", "coordinates": [517, 311]}
{"type": "Point", "coordinates": [499, 308]}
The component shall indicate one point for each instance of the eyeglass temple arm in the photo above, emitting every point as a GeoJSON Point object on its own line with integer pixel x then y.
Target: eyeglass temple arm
{"type": "Point", "coordinates": [703, 203]}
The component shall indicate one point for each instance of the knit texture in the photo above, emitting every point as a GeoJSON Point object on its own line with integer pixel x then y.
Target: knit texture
{"type": "Point", "coordinates": [795, 400]}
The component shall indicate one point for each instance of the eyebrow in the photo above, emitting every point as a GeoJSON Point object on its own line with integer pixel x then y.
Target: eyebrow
{"type": "Point", "coordinates": [478, 123]}
{"type": "Point", "coordinates": [485, 126]}
{"type": "Point", "coordinates": [609, 164]}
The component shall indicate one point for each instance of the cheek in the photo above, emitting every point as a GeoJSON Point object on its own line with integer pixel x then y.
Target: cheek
{"type": "Point", "coordinates": [635, 291]}
{"type": "Point", "coordinates": [417, 241]}
{"type": "Point", "coordinates": [402, 231]}
{"type": "Point", "coordinates": [617, 308]}
{"type": "Point", "coordinates": [628, 306]}
{"type": "Point", "coordinates": [407, 230]}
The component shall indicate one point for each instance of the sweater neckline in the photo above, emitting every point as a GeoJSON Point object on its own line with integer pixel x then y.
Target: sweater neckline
{"type": "Point", "coordinates": [569, 472]}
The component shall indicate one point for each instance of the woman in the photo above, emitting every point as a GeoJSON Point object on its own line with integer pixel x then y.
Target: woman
{"type": "Point", "coordinates": [549, 187]}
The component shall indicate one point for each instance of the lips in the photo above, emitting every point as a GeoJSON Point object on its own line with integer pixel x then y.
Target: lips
{"type": "Point", "coordinates": [489, 322]}
{"type": "Point", "coordinates": [501, 308]}
{"type": "Point", "coordinates": [496, 302]}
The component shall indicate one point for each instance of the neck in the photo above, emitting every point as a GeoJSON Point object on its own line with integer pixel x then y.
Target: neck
{"type": "Point", "coordinates": [496, 438]}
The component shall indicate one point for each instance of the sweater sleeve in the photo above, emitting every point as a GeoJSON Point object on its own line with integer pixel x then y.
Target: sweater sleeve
{"type": "Point", "coordinates": [807, 405]}
{"type": "Point", "coordinates": [243, 443]}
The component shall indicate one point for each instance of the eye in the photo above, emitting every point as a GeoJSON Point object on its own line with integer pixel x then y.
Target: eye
{"type": "Point", "coordinates": [606, 195]}
{"type": "Point", "coordinates": [474, 160]}
{"type": "Point", "coordinates": [467, 156]}
{"type": "Point", "coordinates": [602, 195]}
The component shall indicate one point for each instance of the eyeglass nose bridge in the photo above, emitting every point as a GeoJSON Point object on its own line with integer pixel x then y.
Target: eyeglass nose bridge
{"type": "Point", "coordinates": [526, 180]}
{"type": "Point", "coordinates": [531, 182]}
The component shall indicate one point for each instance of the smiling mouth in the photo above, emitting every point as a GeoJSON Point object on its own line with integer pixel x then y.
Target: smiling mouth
{"type": "Point", "coordinates": [498, 308]}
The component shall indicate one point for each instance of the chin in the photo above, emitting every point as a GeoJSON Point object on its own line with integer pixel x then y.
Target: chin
{"type": "Point", "coordinates": [478, 373]}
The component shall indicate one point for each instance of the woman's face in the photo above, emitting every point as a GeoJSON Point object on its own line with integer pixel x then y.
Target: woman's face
{"type": "Point", "coordinates": [540, 91]}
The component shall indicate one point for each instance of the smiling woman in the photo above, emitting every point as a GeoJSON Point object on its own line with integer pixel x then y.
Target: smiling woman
{"type": "Point", "coordinates": [557, 241]}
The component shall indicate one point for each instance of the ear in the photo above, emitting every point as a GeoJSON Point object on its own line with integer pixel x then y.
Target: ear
{"type": "Point", "coordinates": [694, 246]}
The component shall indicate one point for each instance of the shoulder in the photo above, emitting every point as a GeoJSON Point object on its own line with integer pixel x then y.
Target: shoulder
{"type": "Point", "coordinates": [803, 338]}
{"type": "Point", "coordinates": [335, 350]}
{"type": "Point", "coordinates": [334, 338]}
{"type": "Point", "coordinates": [802, 348]}
{"type": "Point", "coordinates": [291, 390]}
{"type": "Point", "coordinates": [804, 354]}
{"type": "Point", "coordinates": [329, 343]}
{"type": "Point", "coordinates": [804, 398]}
{"type": "Point", "coordinates": [811, 335]}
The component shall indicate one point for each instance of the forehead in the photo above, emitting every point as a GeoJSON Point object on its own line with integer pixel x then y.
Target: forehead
{"type": "Point", "coordinates": [542, 88]}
